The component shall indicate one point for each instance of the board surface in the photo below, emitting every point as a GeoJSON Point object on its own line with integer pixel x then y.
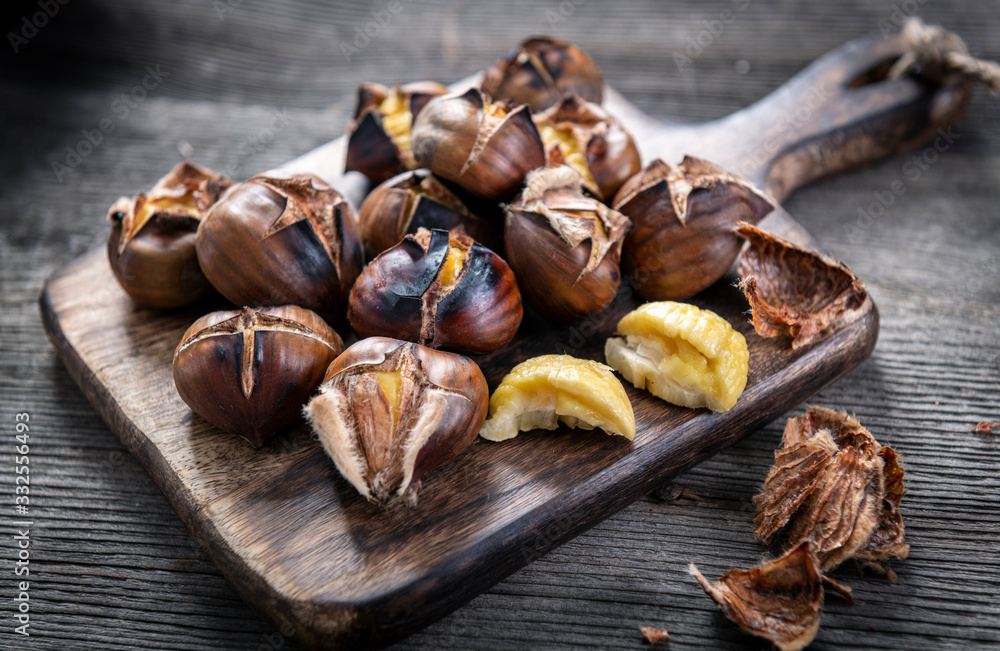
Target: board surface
{"type": "Point", "coordinates": [303, 547]}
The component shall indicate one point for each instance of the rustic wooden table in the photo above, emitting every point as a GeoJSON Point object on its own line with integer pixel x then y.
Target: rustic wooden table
{"type": "Point", "coordinates": [243, 85]}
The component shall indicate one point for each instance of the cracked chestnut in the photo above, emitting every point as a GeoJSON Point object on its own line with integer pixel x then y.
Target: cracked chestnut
{"type": "Point", "coordinates": [250, 371]}
{"type": "Point", "coordinates": [440, 289]}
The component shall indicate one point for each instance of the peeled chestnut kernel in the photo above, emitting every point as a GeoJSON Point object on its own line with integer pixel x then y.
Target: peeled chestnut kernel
{"type": "Point", "coordinates": [587, 138]}
{"type": "Point", "coordinates": [440, 289]}
{"type": "Point", "coordinates": [390, 411]}
{"type": "Point", "coordinates": [250, 371]}
{"type": "Point", "coordinates": [278, 241]}
{"type": "Point", "coordinates": [484, 146]}
{"type": "Point", "coordinates": [541, 71]}
{"type": "Point", "coordinates": [151, 247]}
{"type": "Point", "coordinates": [682, 237]}
{"type": "Point", "coordinates": [414, 200]}
{"type": "Point", "coordinates": [563, 246]}
{"type": "Point", "coordinates": [378, 138]}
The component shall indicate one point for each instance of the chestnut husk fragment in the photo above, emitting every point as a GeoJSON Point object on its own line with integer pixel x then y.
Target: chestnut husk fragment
{"type": "Point", "coordinates": [541, 71]}
{"type": "Point", "coordinates": [155, 261]}
{"type": "Point", "coordinates": [250, 371]}
{"type": "Point", "coordinates": [781, 601]}
{"type": "Point", "coordinates": [370, 149]}
{"type": "Point", "coordinates": [610, 156]}
{"type": "Point", "coordinates": [563, 246]}
{"type": "Point", "coordinates": [793, 291]}
{"type": "Point", "coordinates": [400, 294]}
{"type": "Point", "coordinates": [682, 239]}
{"type": "Point", "coordinates": [833, 485]}
{"type": "Point", "coordinates": [484, 146]}
{"type": "Point", "coordinates": [278, 241]}
{"type": "Point", "coordinates": [442, 402]}
{"type": "Point", "coordinates": [413, 200]}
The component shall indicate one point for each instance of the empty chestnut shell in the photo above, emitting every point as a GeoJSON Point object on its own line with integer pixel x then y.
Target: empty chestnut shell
{"type": "Point", "coordinates": [250, 371]}
{"type": "Point", "coordinates": [484, 146]}
{"type": "Point", "coordinates": [682, 238]}
{"type": "Point", "coordinates": [563, 246]}
{"type": "Point", "coordinates": [541, 71]}
{"type": "Point", "coordinates": [280, 241]}
{"type": "Point", "coordinates": [414, 200]}
{"type": "Point", "coordinates": [587, 138]}
{"type": "Point", "coordinates": [378, 138]}
{"type": "Point", "coordinates": [151, 247]}
{"type": "Point", "coordinates": [438, 289]}
{"type": "Point", "coordinates": [389, 411]}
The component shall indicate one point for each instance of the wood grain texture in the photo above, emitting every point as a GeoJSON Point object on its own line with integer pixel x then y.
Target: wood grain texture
{"type": "Point", "coordinates": [116, 567]}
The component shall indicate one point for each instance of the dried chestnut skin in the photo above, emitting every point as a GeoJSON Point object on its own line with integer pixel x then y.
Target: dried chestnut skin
{"type": "Point", "coordinates": [540, 71]}
{"type": "Point", "coordinates": [681, 240]}
{"type": "Point", "coordinates": [794, 291]}
{"type": "Point", "coordinates": [372, 149]}
{"type": "Point", "coordinates": [250, 371]}
{"type": "Point", "coordinates": [151, 247]}
{"type": "Point", "coordinates": [438, 289]}
{"type": "Point", "coordinates": [390, 411]}
{"type": "Point", "coordinates": [278, 241]}
{"type": "Point", "coordinates": [413, 200]}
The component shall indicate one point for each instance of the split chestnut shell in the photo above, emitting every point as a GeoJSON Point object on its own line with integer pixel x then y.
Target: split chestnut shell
{"type": "Point", "coordinates": [390, 411]}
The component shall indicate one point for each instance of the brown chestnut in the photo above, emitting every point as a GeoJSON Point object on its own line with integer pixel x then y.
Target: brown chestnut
{"type": "Point", "coordinates": [563, 246]}
{"type": "Point", "coordinates": [250, 371]}
{"type": "Point", "coordinates": [440, 289]}
{"type": "Point", "coordinates": [389, 411]}
{"type": "Point", "coordinates": [587, 138]}
{"type": "Point", "coordinates": [682, 237]}
{"type": "Point", "coordinates": [279, 241]}
{"type": "Point", "coordinates": [378, 138]}
{"type": "Point", "coordinates": [414, 200]}
{"type": "Point", "coordinates": [484, 146]}
{"type": "Point", "coordinates": [541, 71]}
{"type": "Point", "coordinates": [151, 247]}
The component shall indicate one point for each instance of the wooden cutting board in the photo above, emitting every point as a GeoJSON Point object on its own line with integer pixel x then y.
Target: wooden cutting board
{"type": "Point", "coordinates": [300, 544]}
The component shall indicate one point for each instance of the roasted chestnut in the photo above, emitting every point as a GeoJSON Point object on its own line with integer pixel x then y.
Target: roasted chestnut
{"type": "Point", "coordinates": [587, 138]}
{"type": "Point", "coordinates": [151, 247]}
{"type": "Point", "coordinates": [389, 411]}
{"type": "Point", "coordinates": [682, 237]}
{"type": "Point", "coordinates": [250, 371]}
{"type": "Point", "coordinates": [278, 241]}
{"type": "Point", "coordinates": [541, 71]}
{"type": "Point", "coordinates": [414, 200]}
{"type": "Point", "coordinates": [438, 289]}
{"type": "Point", "coordinates": [378, 138]}
{"type": "Point", "coordinates": [484, 146]}
{"type": "Point", "coordinates": [563, 246]}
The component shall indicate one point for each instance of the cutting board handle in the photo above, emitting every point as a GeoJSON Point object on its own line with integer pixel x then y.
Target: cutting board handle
{"type": "Point", "coordinates": [837, 114]}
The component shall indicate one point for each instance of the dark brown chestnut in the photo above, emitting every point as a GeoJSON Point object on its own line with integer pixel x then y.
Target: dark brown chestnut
{"type": "Point", "coordinates": [440, 289]}
{"type": "Point", "coordinates": [414, 200]}
{"type": "Point", "coordinates": [378, 138]}
{"type": "Point", "coordinates": [151, 247]}
{"type": "Point", "coordinates": [587, 138]}
{"type": "Point", "coordinates": [250, 371]}
{"type": "Point", "coordinates": [484, 146]}
{"type": "Point", "coordinates": [541, 71]}
{"type": "Point", "coordinates": [563, 246]}
{"type": "Point", "coordinates": [682, 237]}
{"type": "Point", "coordinates": [389, 411]}
{"type": "Point", "coordinates": [280, 241]}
